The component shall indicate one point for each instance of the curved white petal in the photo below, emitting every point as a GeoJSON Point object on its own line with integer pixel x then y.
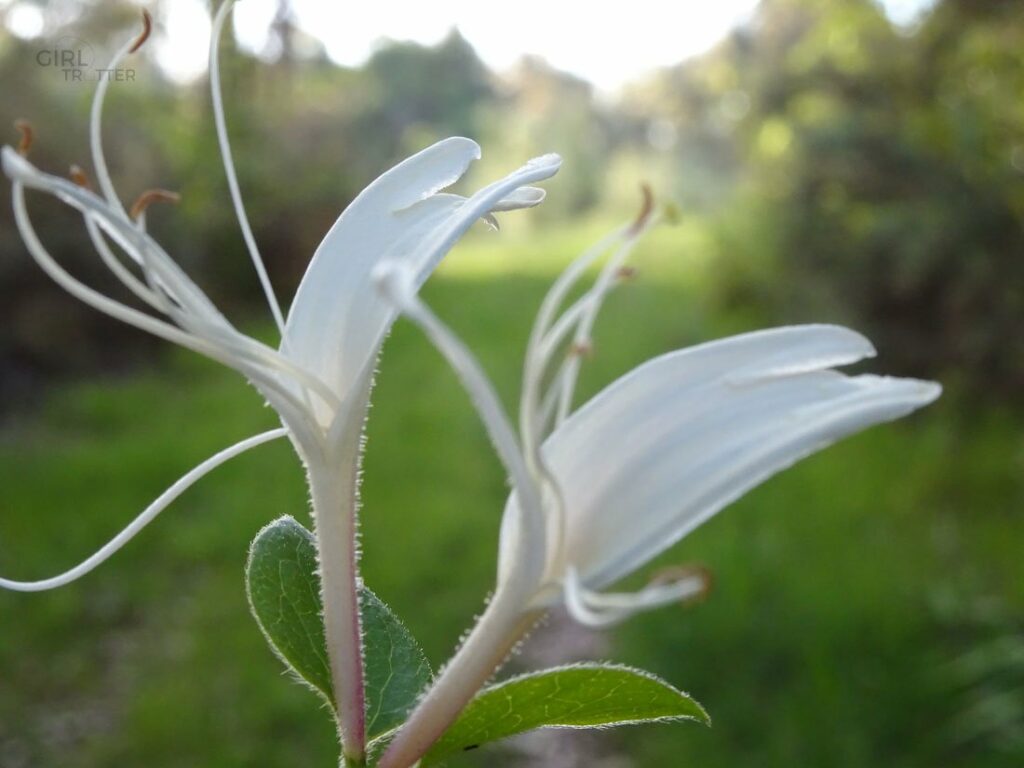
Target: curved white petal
{"type": "Point", "coordinates": [337, 320]}
{"type": "Point", "coordinates": [667, 446]}
{"type": "Point", "coordinates": [598, 610]}
{"type": "Point", "coordinates": [524, 197]}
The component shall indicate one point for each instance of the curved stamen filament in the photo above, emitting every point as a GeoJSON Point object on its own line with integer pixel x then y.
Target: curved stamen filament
{"type": "Point", "coordinates": [120, 271]}
{"type": "Point", "coordinates": [535, 363]}
{"type": "Point", "coordinates": [606, 280]}
{"type": "Point", "coordinates": [161, 503]}
{"type": "Point", "coordinates": [229, 167]}
{"type": "Point", "coordinates": [99, 160]}
{"type": "Point", "coordinates": [396, 283]}
{"type": "Point", "coordinates": [134, 317]}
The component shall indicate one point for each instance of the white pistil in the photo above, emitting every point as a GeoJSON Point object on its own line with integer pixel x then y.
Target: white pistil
{"type": "Point", "coordinates": [145, 517]}
{"type": "Point", "coordinates": [396, 283]}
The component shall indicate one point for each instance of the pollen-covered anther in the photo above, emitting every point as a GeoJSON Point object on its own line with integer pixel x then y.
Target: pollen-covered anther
{"type": "Point", "coordinates": [147, 29]}
{"type": "Point", "coordinates": [24, 127]}
{"type": "Point", "coordinates": [151, 196]}
{"type": "Point", "coordinates": [702, 577]}
{"type": "Point", "coordinates": [77, 175]}
{"type": "Point", "coordinates": [646, 209]}
{"type": "Point", "coordinates": [625, 273]}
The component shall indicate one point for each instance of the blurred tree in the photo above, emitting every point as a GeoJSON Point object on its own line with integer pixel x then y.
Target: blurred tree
{"type": "Point", "coordinates": [878, 170]}
{"type": "Point", "coordinates": [419, 93]}
{"type": "Point", "coordinates": [545, 110]}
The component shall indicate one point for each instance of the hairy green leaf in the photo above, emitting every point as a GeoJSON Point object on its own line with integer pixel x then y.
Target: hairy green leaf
{"type": "Point", "coordinates": [581, 696]}
{"type": "Point", "coordinates": [284, 593]}
{"type": "Point", "coordinates": [396, 669]}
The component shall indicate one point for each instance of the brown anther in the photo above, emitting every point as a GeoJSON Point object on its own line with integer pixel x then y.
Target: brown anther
{"type": "Point", "coordinates": [646, 209]}
{"type": "Point", "coordinates": [581, 349]}
{"type": "Point", "coordinates": [147, 28]}
{"type": "Point", "coordinates": [24, 127]}
{"type": "Point", "coordinates": [79, 177]}
{"type": "Point", "coordinates": [626, 273]}
{"type": "Point", "coordinates": [681, 572]}
{"type": "Point", "coordinates": [149, 197]}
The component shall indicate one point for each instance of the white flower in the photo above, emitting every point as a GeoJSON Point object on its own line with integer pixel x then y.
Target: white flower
{"type": "Point", "coordinates": [599, 492]}
{"type": "Point", "coordinates": [319, 378]}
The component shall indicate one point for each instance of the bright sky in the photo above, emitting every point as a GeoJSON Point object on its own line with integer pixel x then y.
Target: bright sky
{"type": "Point", "coordinates": [609, 45]}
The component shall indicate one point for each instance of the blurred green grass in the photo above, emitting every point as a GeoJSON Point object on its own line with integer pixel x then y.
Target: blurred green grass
{"type": "Point", "coordinates": [821, 644]}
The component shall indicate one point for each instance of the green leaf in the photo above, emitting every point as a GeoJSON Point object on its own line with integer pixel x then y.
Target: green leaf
{"type": "Point", "coordinates": [580, 696]}
{"type": "Point", "coordinates": [397, 671]}
{"type": "Point", "coordinates": [284, 593]}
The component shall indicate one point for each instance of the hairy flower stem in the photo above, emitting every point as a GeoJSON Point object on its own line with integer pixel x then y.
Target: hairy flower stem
{"type": "Point", "coordinates": [332, 481]}
{"type": "Point", "coordinates": [502, 625]}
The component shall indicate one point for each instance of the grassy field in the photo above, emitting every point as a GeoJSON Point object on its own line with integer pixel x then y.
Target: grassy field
{"type": "Point", "coordinates": [867, 611]}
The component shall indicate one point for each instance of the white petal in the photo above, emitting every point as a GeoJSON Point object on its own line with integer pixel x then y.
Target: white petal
{"type": "Point", "coordinates": [664, 448]}
{"type": "Point", "coordinates": [320, 316]}
{"type": "Point", "coordinates": [337, 320]}
{"type": "Point", "coordinates": [524, 197]}
{"type": "Point", "coordinates": [598, 610]}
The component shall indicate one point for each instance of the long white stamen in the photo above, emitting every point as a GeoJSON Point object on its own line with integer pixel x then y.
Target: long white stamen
{"type": "Point", "coordinates": [96, 132]}
{"type": "Point", "coordinates": [272, 359]}
{"type": "Point", "coordinates": [92, 297]}
{"type": "Point", "coordinates": [534, 412]}
{"type": "Point", "coordinates": [147, 516]}
{"type": "Point", "coordinates": [229, 167]}
{"type": "Point", "coordinates": [396, 283]}
{"type": "Point", "coordinates": [121, 230]}
{"type": "Point", "coordinates": [567, 323]}
{"type": "Point", "coordinates": [535, 363]}
{"type": "Point", "coordinates": [113, 263]}
{"type": "Point", "coordinates": [549, 405]}
{"type": "Point", "coordinates": [569, 277]}
{"type": "Point", "coordinates": [133, 316]}
{"type": "Point", "coordinates": [203, 324]}
{"type": "Point", "coordinates": [602, 287]}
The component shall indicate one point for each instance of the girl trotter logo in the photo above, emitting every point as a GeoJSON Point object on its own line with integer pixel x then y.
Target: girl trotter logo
{"type": "Point", "coordinates": [71, 56]}
{"type": "Point", "coordinates": [75, 60]}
